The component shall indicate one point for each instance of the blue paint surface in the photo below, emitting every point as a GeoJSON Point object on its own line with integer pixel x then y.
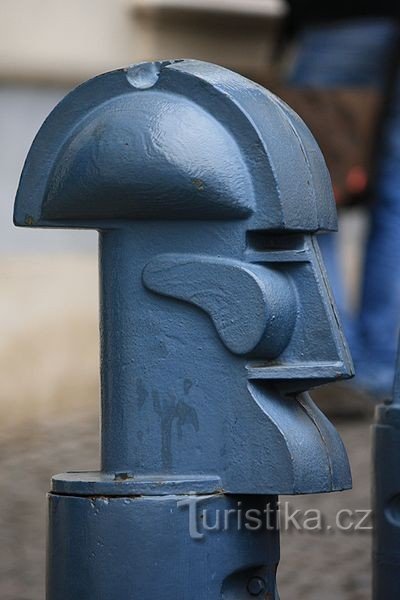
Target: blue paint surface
{"type": "Point", "coordinates": [215, 318]}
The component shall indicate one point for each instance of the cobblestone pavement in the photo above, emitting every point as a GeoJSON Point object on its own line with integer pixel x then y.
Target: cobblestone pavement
{"type": "Point", "coordinates": [328, 565]}
{"type": "Point", "coordinates": [332, 564]}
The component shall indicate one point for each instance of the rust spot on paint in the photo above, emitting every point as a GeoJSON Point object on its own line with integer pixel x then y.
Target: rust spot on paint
{"type": "Point", "coordinates": [29, 220]}
{"type": "Point", "coordinates": [199, 184]}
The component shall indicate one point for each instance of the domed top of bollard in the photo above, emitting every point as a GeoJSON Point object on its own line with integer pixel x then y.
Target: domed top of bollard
{"type": "Point", "coordinates": [174, 140]}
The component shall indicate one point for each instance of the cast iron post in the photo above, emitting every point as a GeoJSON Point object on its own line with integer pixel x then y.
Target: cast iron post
{"type": "Point", "coordinates": [386, 496]}
{"type": "Point", "coordinates": [215, 317]}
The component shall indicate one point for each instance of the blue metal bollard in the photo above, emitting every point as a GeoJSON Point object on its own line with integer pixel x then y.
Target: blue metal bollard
{"type": "Point", "coordinates": [215, 318]}
{"type": "Point", "coordinates": [386, 496]}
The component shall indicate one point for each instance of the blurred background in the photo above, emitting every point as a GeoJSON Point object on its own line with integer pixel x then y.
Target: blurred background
{"type": "Point", "coordinates": [337, 67]}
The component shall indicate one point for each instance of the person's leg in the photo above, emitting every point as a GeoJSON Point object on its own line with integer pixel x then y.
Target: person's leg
{"type": "Point", "coordinates": [347, 54]}
{"type": "Point", "coordinates": [380, 307]}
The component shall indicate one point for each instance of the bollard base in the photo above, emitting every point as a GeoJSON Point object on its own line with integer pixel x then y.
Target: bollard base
{"type": "Point", "coordinates": [198, 547]}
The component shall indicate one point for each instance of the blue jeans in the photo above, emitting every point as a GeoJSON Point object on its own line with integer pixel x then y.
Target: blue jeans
{"type": "Point", "coordinates": [357, 53]}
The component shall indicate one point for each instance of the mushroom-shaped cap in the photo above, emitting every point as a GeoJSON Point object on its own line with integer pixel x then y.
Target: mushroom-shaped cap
{"type": "Point", "coordinates": [174, 140]}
